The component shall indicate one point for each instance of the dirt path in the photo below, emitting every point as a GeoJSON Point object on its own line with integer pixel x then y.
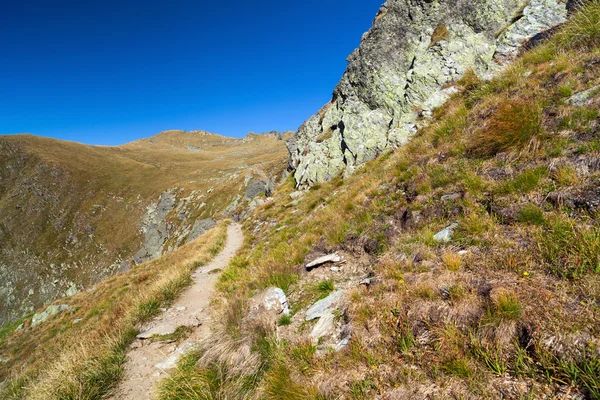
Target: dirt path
{"type": "Point", "coordinates": [150, 361]}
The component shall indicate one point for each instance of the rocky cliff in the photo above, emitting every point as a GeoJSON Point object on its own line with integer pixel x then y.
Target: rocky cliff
{"type": "Point", "coordinates": [404, 68]}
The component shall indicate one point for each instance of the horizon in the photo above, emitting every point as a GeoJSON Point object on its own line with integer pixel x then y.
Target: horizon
{"type": "Point", "coordinates": [112, 73]}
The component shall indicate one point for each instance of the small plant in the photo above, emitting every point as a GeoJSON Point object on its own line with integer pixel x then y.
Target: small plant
{"type": "Point", "coordinates": [524, 182]}
{"type": "Point", "coordinates": [507, 306]}
{"type": "Point", "coordinates": [440, 33]}
{"type": "Point", "coordinates": [452, 261]}
{"type": "Point", "coordinates": [565, 176]}
{"type": "Point", "coordinates": [531, 214]}
{"type": "Point", "coordinates": [457, 292]}
{"type": "Point", "coordinates": [285, 320]}
{"type": "Point", "coordinates": [570, 250]}
{"type": "Point", "coordinates": [458, 367]}
{"type": "Point", "coordinates": [425, 292]}
{"type": "Point", "coordinates": [404, 338]}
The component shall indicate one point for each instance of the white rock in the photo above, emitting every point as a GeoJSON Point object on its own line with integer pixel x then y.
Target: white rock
{"type": "Point", "coordinates": [445, 235]}
{"type": "Point", "coordinates": [275, 299]}
{"type": "Point", "coordinates": [171, 361]}
{"type": "Point", "coordinates": [582, 98]}
{"type": "Point", "coordinates": [296, 195]}
{"type": "Point", "coordinates": [333, 258]}
{"type": "Point", "coordinates": [342, 343]}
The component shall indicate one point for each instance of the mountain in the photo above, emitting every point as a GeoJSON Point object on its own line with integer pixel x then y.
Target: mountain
{"type": "Point", "coordinates": [73, 215]}
{"type": "Point", "coordinates": [458, 261]}
{"type": "Point", "coordinates": [404, 69]}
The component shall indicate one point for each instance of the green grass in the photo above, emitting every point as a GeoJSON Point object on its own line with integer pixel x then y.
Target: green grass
{"type": "Point", "coordinates": [507, 307]}
{"type": "Point", "coordinates": [531, 214]}
{"type": "Point", "coordinates": [524, 182]}
{"type": "Point", "coordinates": [569, 249]}
{"type": "Point", "coordinates": [458, 367]}
{"type": "Point", "coordinates": [284, 320]}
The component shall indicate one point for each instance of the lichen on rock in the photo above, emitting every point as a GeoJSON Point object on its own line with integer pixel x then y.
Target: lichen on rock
{"type": "Point", "coordinates": [401, 72]}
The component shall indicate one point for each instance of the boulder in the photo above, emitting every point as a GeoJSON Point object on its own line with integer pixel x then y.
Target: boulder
{"type": "Point", "coordinates": [324, 326]}
{"type": "Point", "coordinates": [296, 195]}
{"type": "Point", "coordinates": [254, 188]}
{"type": "Point", "coordinates": [321, 307]}
{"type": "Point", "coordinates": [582, 98]}
{"type": "Point", "coordinates": [267, 306]}
{"type": "Point", "coordinates": [201, 226]}
{"type": "Point", "coordinates": [445, 235]}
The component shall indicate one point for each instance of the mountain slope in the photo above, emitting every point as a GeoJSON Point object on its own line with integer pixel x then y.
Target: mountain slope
{"type": "Point", "coordinates": [400, 72]}
{"type": "Point", "coordinates": [470, 256]}
{"type": "Point", "coordinates": [72, 215]}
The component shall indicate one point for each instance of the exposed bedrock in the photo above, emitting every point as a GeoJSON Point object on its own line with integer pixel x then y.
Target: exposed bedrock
{"type": "Point", "coordinates": [402, 71]}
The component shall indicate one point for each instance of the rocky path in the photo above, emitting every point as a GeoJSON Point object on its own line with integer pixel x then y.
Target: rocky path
{"type": "Point", "coordinates": [149, 361]}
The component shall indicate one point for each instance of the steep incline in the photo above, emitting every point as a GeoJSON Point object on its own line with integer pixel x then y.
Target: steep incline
{"type": "Point", "coordinates": [402, 71]}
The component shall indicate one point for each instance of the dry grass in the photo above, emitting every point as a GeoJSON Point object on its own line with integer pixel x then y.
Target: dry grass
{"type": "Point", "coordinates": [111, 314]}
{"type": "Point", "coordinates": [436, 318]}
{"type": "Point", "coordinates": [89, 200]}
{"type": "Point", "coordinates": [515, 316]}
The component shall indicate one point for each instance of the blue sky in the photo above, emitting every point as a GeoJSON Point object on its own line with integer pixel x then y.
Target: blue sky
{"type": "Point", "coordinates": [109, 72]}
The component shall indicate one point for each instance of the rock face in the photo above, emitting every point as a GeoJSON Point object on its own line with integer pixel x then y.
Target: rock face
{"type": "Point", "coordinates": [400, 73]}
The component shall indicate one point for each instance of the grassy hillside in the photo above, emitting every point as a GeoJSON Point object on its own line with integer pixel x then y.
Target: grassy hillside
{"type": "Point", "coordinates": [70, 214]}
{"type": "Point", "coordinates": [79, 353]}
{"type": "Point", "coordinates": [508, 308]}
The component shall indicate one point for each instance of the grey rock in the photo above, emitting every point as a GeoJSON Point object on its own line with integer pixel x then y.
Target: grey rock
{"type": "Point", "coordinates": [445, 235]}
{"type": "Point", "coordinates": [324, 326]}
{"type": "Point", "coordinates": [48, 312]}
{"type": "Point", "coordinates": [154, 228]}
{"type": "Point", "coordinates": [195, 149]}
{"type": "Point", "coordinates": [453, 196]}
{"type": "Point", "coordinates": [171, 361]}
{"type": "Point", "coordinates": [319, 309]}
{"type": "Point", "coordinates": [342, 344]}
{"type": "Point", "coordinates": [296, 195]}
{"type": "Point", "coordinates": [269, 305]}
{"type": "Point", "coordinates": [160, 330]}
{"type": "Point", "coordinates": [406, 61]}
{"type": "Point", "coordinates": [329, 258]}
{"type": "Point", "coordinates": [255, 187]}
{"type": "Point", "coordinates": [201, 226]}
{"type": "Point", "coordinates": [72, 291]}
{"type": "Point", "coordinates": [582, 98]}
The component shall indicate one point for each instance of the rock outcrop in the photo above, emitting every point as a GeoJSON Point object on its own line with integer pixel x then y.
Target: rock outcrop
{"type": "Point", "coordinates": [402, 71]}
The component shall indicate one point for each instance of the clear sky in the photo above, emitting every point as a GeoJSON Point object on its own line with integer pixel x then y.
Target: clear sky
{"type": "Point", "coordinates": [109, 72]}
